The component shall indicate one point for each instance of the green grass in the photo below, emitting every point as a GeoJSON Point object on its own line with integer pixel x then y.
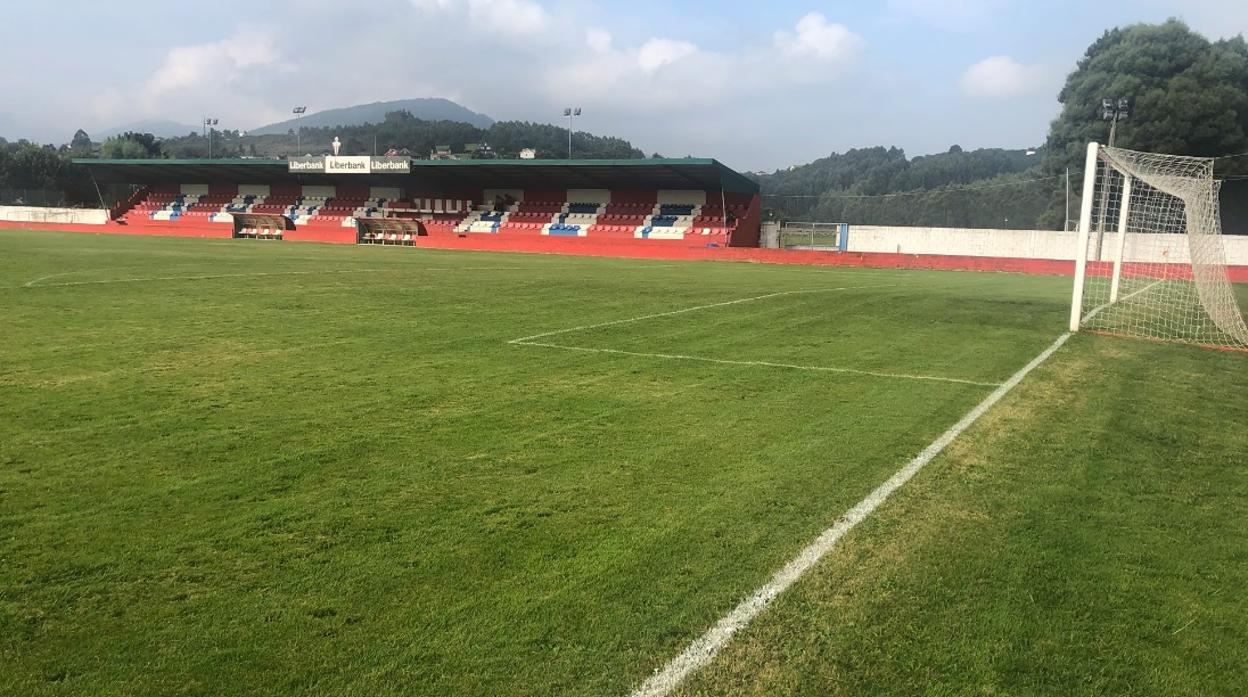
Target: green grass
{"type": "Point", "coordinates": [339, 478]}
{"type": "Point", "coordinates": [1086, 538]}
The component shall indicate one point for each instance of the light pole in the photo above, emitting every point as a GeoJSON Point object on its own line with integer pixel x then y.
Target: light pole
{"type": "Point", "coordinates": [1113, 112]}
{"type": "Point", "coordinates": [208, 128]}
{"type": "Point", "coordinates": [570, 112]}
{"type": "Point", "coordinates": [299, 111]}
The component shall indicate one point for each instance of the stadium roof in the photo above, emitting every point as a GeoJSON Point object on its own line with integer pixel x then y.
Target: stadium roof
{"type": "Point", "coordinates": [655, 173]}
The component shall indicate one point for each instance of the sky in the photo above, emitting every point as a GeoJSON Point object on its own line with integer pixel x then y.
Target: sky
{"type": "Point", "coordinates": [758, 85]}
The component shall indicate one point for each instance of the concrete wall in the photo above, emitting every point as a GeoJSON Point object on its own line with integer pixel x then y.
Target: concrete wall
{"type": "Point", "coordinates": [1026, 244]}
{"type": "Point", "coordinates": [770, 236]}
{"type": "Point", "coordinates": [36, 214]}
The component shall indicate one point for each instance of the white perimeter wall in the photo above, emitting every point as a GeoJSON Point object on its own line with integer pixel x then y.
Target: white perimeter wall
{"type": "Point", "coordinates": [1026, 244]}
{"type": "Point", "coordinates": [37, 214]}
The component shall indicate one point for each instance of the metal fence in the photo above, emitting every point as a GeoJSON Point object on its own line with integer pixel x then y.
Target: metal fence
{"type": "Point", "coordinates": [807, 235]}
{"type": "Point", "coordinates": [33, 197]}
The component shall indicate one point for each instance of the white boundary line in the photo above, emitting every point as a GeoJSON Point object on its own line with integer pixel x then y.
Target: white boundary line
{"type": "Point", "coordinates": [704, 648]}
{"type": "Point", "coordinates": [531, 341]}
{"type": "Point", "coordinates": [738, 301]}
{"type": "Point", "coordinates": [32, 284]}
{"type": "Point", "coordinates": [1098, 309]}
{"type": "Point", "coordinates": [760, 364]}
{"type": "Point", "coordinates": [35, 283]}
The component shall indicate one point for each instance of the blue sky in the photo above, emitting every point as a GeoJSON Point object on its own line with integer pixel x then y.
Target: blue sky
{"type": "Point", "coordinates": [759, 85]}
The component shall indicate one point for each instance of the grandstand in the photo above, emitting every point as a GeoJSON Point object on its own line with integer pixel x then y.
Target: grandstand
{"type": "Point", "coordinates": [692, 203]}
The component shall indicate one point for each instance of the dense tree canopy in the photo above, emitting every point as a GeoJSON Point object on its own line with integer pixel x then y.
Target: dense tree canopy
{"type": "Point", "coordinates": [81, 142]}
{"type": "Point", "coordinates": [1188, 96]}
{"type": "Point", "coordinates": [131, 146]}
{"type": "Point", "coordinates": [41, 175]}
{"type": "Point", "coordinates": [980, 188]}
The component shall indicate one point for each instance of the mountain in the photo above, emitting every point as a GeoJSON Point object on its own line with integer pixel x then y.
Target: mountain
{"type": "Point", "coordinates": [425, 109]}
{"type": "Point", "coordinates": [161, 128]}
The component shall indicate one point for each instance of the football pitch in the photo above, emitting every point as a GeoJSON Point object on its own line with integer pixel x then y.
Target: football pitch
{"type": "Point", "coordinates": [266, 468]}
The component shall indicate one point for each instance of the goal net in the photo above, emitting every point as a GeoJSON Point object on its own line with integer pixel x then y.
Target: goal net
{"type": "Point", "coordinates": [1150, 261]}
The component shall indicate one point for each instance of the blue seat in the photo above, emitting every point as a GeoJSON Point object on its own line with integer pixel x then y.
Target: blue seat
{"type": "Point", "coordinates": [561, 230]}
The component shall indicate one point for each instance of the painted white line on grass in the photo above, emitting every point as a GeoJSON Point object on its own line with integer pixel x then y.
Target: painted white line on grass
{"type": "Point", "coordinates": [704, 648]}
{"type": "Point", "coordinates": [759, 364]}
{"type": "Point", "coordinates": [202, 277]}
{"type": "Point", "coordinates": [738, 301]}
{"type": "Point", "coordinates": [35, 283]}
{"type": "Point", "coordinates": [31, 284]}
{"type": "Point", "coordinates": [1097, 310]}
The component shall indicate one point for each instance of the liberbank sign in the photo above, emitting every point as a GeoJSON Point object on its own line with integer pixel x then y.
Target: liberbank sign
{"type": "Point", "coordinates": [349, 164]}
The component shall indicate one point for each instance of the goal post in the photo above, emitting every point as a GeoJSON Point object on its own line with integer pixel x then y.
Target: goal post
{"type": "Point", "coordinates": [1120, 245]}
{"type": "Point", "coordinates": [1085, 232]}
{"type": "Point", "coordinates": [1164, 275]}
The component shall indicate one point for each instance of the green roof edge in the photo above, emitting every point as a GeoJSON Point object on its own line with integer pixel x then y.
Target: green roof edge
{"type": "Point", "coordinates": [730, 180]}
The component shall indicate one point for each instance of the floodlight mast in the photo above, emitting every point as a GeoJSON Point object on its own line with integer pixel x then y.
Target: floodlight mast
{"type": "Point", "coordinates": [1112, 111]}
{"type": "Point", "coordinates": [299, 111]}
{"type": "Point", "coordinates": [208, 128]}
{"type": "Point", "coordinates": [571, 112]}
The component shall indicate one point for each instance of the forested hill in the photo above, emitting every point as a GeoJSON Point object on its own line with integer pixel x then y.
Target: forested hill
{"type": "Point", "coordinates": [428, 109]}
{"type": "Point", "coordinates": [398, 130]}
{"type": "Point", "coordinates": [989, 187]}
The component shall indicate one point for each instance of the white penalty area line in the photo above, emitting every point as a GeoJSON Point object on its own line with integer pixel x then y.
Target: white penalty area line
{"type": "Point", "coordinates": [758, 364]}
{"type": "Point", "coordinates": [705, 647]}
{"type": "Point", "coordinates": [532, 341]}
{"type": "Point", "coordinates": [738, 301]}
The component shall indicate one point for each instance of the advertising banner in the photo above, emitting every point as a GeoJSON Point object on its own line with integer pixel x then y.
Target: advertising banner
{"type": "Point", "coordinates": [349, 164]}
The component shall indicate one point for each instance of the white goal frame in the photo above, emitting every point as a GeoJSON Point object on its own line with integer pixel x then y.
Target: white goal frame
{"type": "Point", "coordinates": [1163, 211]}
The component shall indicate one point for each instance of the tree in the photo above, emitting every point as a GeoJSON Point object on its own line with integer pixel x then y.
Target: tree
{"type": "Point", "coordinates": [42, 175]}
{"type": "Point", "coordinates": [81, 142]}
{"type": "Point", "coordinates": [131, 146]}
{"type": "Point", "coordinates": [1189, 96]}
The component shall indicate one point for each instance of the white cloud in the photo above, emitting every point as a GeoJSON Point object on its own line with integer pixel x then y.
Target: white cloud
{"type": "Point", "coordinates": [656, 53]}
{"type": "Point", "coordinates": [598, 40]}
{"type": "Point", "coordinates": [108, 105]}
{"type": "Point", "coordinates": [503, 17]}
{"type": "Point", "coordinates": [815, 37]}
{"type": "Point", "coordinates": [219, 61]}
{"type": "Point", "coordinates": [1000, 76]}
{"type": "Point", "coordinates": [508, 16]}
{"type": "Point", "coordinates": [678, 76]}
